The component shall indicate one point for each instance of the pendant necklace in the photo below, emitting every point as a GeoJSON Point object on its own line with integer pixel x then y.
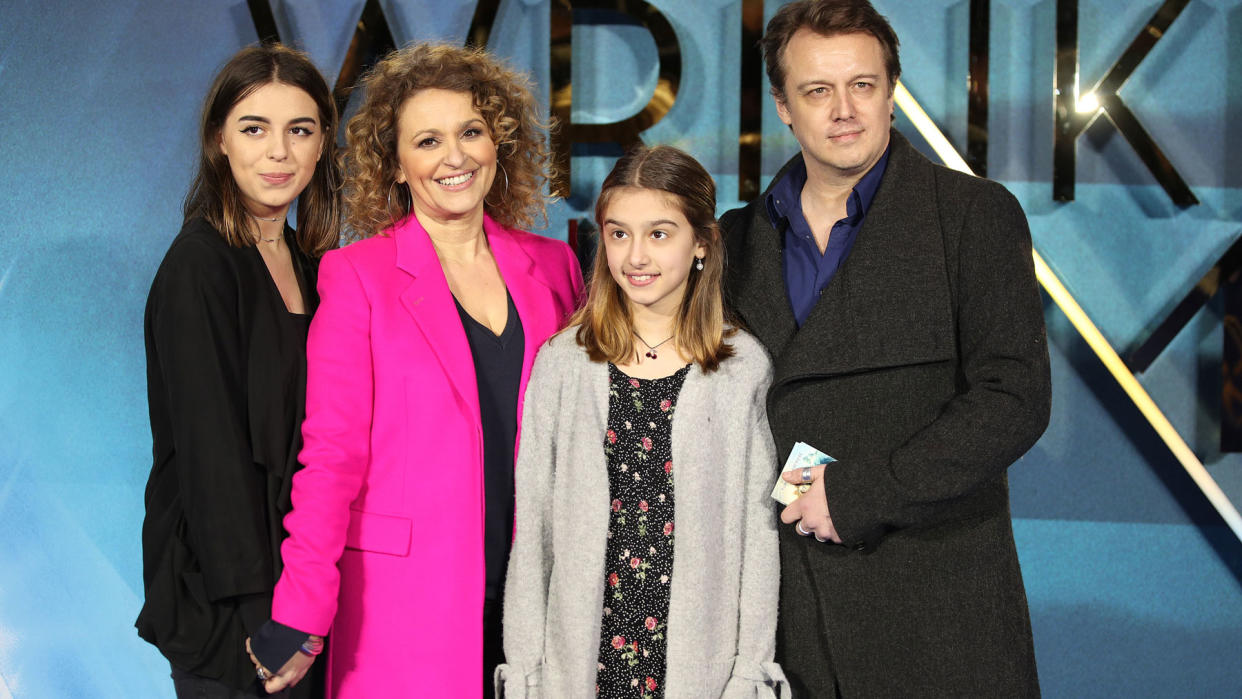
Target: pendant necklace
{"type": "Point", "coordinates": [651, 349]}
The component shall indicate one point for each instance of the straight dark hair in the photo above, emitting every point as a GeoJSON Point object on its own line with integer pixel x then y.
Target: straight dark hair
{"type": "Point", "coordinates": [214, 194]}
{"type": "Point", "coordinates": [605, 325]}
{"type": "Point", "coordinates": [826, 18]}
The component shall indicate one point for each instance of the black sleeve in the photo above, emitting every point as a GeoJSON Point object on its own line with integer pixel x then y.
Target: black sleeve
{"type": "Point", "coordinates": [195, 328]}
{"type": "Point", "coordinates": [275, 644]}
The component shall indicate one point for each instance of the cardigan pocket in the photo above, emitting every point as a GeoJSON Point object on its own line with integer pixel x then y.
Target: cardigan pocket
{"type": "Point", "coordinates": [377, 533]}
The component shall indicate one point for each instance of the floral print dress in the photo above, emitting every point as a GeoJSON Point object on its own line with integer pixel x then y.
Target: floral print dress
{"type": "Point", "coordinates": [638, 564]}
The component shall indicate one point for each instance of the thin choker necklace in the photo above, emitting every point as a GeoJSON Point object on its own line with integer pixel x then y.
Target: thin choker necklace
{"type": "Point", "coordinates": [651, 349]}
{"type": "Point", "coordinates": [274, 219]}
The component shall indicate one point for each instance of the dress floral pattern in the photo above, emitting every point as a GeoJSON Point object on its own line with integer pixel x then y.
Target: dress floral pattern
{"type": "Point", "coordinates": [639, 560]}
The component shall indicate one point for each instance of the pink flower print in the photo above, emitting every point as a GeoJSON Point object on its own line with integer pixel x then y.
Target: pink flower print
{"type": "Point", "coordinates": [668, 466]}
{"type": "Point", "coordinates": [650, 623]}
{"type": "Point", "coordinates": [666, 405]}
{"type": "Point", "coordinates": [616, 505]}
{"type": "Point", "coordinates": [618, 642]}
{"type": "Point", "coordinates": [612, 437]}
{"type": "Point", "coordinates": [613, 580]}
{"type": "Point", "coordinates": [651, 684]}
{"type": "Point", "coordinates": [646, 444]}
{"type": "Point", "coordinates": [668, 528]}
{"type": "Point", "coordinates": [642, 505]}
{"type": "Point", "coordinates": [634, 383]}
{"type": "Point", "coordinates": [633, 562]}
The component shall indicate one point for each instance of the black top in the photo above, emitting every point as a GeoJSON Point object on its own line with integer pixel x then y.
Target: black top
{"type": "Point", "coordinates": [498, 372]}
{"type": "Point", "coordinates": [226, 387]}
{"type": "Point", "coordinates": [638, 563]}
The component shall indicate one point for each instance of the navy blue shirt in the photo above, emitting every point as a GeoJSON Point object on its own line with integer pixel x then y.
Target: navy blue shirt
{"type": "Point", "coordinates": [807, 271]}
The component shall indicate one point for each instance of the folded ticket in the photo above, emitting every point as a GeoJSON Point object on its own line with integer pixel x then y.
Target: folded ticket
{"type": "Point", "coordinates": [801, 456]}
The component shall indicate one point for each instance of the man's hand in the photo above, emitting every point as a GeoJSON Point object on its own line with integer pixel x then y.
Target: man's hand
{"type": "Point", "coordinates": [809, 513]}
{"type": "Point", "coordinates": [290, 674]}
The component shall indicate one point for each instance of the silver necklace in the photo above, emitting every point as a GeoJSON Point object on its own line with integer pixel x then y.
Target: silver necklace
{"type": "Point", "coordinates": [651, 349]}
{"type": "Point", "coordinates": [274, 219]}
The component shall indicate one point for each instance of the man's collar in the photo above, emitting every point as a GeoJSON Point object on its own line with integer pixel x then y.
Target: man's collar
{"type": "Point", "coordinates": [784, 195]}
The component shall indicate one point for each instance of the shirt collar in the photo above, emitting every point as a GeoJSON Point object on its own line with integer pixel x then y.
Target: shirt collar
{"type": "Point", "coordinates": [785, 195]}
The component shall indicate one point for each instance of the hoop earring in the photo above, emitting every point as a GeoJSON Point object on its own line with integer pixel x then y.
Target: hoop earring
{"type": "Point", "coordinates": [506, 187]}
{"type": "Point", "coordinates": [400, 206]}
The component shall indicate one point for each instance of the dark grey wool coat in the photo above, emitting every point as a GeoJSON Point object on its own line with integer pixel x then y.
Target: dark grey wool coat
{"type": "Point", "coordinates": [923, 369]}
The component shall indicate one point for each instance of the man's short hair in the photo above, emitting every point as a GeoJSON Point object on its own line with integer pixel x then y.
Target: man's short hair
{"type": "Point", "coordinates": [826, 18]}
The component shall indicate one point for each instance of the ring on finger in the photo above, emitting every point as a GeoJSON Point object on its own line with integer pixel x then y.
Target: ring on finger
{"type": "Point", "coordinates": [262, 674]}
{"type": "Point", "coordinates": [800, 530]}
{"type": "Point", "coordinates": [820, 539]}
{"type": "Point", "coordinates": [806, 474]}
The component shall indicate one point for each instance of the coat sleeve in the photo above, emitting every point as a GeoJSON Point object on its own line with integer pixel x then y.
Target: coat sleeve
{"type": "Point", "coordinates": [195, 327]}
{"type": "Point", "coordinates": [1004, 401]}
{"type": "Point", "coordinates": [530, 560]}
{"type": "Point", "coordinates": [754, 672]}
{"type": "Point", "coordinates": [336, 449]}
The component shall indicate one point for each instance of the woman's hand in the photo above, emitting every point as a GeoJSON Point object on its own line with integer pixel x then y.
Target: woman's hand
{"type": "Point", "coordinates": [289, 674]}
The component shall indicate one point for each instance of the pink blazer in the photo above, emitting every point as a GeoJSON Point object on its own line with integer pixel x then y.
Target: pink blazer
{"type": "Point", "coordinates": [385, 544]}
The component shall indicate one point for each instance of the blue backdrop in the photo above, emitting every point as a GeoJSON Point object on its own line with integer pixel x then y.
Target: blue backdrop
{"type": "Point", "coordinates": [1132, 577]}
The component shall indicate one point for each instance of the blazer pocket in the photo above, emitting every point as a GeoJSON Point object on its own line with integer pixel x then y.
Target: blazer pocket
{"type": "Point", "coordinates": [370, 531]}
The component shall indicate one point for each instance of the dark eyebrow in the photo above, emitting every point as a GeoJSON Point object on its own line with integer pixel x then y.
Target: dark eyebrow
{"type": "Point", "coordinates": [265, 120]}
{"type": "Point", "coordinates": [650, 224]}
{"type": "Point", "coordinates": [854, 79]}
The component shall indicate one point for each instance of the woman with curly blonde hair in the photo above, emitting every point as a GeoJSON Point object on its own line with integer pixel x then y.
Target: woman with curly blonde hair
{"type": "Point", "coordinates": [417, 362]}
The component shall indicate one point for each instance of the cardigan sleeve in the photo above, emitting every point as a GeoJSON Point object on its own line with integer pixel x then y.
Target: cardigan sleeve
{"type": "Point", "coordinates": [336, 449]}
{"type": "Point", "coordinates": [195, 327]}
{"type": "Point", "coordinates": [1005, 400]}
{"type": "Point", "coordinates": [754, 674]}
{"type": "Point", "coordinates": [530, 560]}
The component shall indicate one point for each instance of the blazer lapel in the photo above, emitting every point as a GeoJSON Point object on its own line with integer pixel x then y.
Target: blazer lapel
{"type": "Point", "coordinates": [758, 283]}
{"type": "Point", "coordinates": [431, 305]}
{"type": "Point", "coordinates": [530, 291]}
{"type": "Point", "coordinates": [889, 303]}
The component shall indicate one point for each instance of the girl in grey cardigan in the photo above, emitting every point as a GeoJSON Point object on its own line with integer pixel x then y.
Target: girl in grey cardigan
{"type": "Point", "coordinates": [645, 558]}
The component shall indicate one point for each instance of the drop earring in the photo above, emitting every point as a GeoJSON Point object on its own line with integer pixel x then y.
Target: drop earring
{"type": "Point", "coordinates": [698, 263]}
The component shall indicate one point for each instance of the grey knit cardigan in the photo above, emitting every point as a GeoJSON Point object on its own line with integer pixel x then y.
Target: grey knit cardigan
{"type": "Point", "coordinates": [723, 599]}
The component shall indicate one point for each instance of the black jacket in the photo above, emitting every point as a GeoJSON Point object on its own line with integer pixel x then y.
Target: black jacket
{"type": "Point", "coordinates": [923, 369]}
{"type": "Point", "coordinates": [226, 383]}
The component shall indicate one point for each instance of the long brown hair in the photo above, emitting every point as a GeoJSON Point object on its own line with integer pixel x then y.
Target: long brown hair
{"type": "Point", "coordinates": [501, 94]}
{"type": "Point", "coordinates": [605, 325]}
{"type": "Point", "coordinates": [214, 194]}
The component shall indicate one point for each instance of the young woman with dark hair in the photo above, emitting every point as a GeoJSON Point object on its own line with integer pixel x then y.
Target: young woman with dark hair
{"type": "Point", "coordinates": [225, 330]}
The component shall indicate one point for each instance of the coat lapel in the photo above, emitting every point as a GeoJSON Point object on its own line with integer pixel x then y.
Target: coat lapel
{"type": "Point", "coordinates": [758, 278]}
{"type": "Point", "coordinates": [889, 303]}
{"type": "Point", "coordinates": [431, 305]}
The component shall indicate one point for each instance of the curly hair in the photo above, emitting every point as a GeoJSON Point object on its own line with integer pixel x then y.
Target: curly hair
{"type": "Point", "coordinates": [501, 94]}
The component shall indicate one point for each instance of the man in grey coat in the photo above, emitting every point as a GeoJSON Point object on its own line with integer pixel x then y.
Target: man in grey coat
{"type": "Point", "coordinates": [899, 303]}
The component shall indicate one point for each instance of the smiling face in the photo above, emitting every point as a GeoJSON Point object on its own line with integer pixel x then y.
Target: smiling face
{"type": "Point", "coordinates": [272, 139]}
{"type": "Point", "coordinates": [446, 155]}
{"type": "Point", "coordinates": [650, 248]}
{"type": "Point", "coordinates": [838, 101]}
